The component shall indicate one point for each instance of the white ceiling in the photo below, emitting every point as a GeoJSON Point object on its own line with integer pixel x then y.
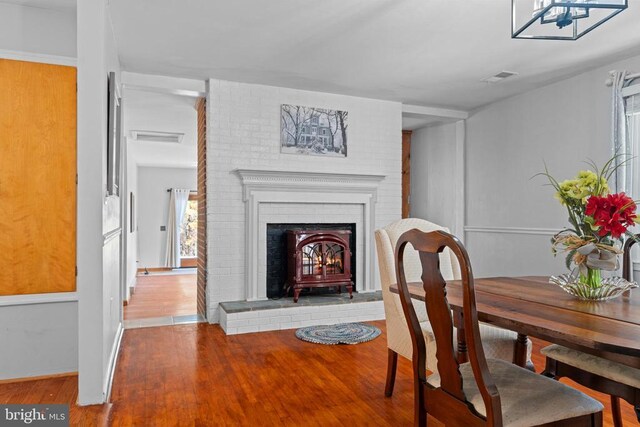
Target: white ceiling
{"type": "Point", "coordinates": [424, 52]}
{"type": "Point", "coordinates": [45, 4]}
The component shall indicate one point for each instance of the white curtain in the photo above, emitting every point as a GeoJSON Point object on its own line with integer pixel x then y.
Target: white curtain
{"type": "Point", "coordinates": [619, 133]}
{"type": "Point", "coordinates": [177, 207]}
{"type": "Point", "coordinates": [632, 138]}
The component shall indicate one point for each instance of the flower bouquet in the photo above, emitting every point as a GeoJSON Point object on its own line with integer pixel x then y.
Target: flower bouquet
{"type": "Point", "coordinates": [599, 222]}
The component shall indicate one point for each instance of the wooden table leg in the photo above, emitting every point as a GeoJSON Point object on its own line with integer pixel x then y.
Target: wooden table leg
{"type": "Point", "coordinates": [520, 351]}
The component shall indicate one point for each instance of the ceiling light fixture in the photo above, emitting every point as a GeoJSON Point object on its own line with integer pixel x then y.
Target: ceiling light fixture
{"type": "Point", "coordinates": [560, 19]}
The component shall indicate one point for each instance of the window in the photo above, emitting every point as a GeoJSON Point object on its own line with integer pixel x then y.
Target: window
{"type": "Point", "coordinates": [189, 229]}
{"type": "Point", "coordinates": [632, 143]}
{"type": "Point", "coordinates": [324, 131]}
{"type": "Point", "coordinates": [315, 120]}
{"type": "Point", "coordinates": [314, 130]}
{"type": "Point", "coordinates": [632, 113]}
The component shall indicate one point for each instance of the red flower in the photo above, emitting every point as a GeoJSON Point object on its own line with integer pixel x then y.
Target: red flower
{"type": "Point", "coordinates": [613, 213]}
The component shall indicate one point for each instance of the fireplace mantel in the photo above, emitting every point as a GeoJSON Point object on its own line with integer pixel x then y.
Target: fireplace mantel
{"type": "Point", "coordinates": [286, 187]}
{"type": "Point", "coordinates": [253, 179]}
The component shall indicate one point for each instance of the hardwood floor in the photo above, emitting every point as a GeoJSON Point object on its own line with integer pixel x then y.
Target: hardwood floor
{"type": "Point", "coordinates": [194, 375]}
{"type": "Point", "coordinates": [162, 295]}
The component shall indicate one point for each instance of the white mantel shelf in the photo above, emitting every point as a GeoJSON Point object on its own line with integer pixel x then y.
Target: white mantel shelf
{"type": "Point", "coordinates": [286, 187]}
{"type": "Point", "coordinates": [279, 180]}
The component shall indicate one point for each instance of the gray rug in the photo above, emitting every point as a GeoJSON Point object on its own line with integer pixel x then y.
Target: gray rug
{"type": "Point", "coordinates": [344, 333]}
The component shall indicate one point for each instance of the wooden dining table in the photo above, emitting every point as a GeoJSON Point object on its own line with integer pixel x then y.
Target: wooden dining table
{"type": "Point", "coordinates": [531, 306]}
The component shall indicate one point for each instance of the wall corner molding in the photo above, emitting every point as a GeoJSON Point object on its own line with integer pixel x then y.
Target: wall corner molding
{"type": "Point", "coordinates": [38, 57]}
{"type": "Point", "coordinates": [512, 230]}
{"type": "Point", "coordinates": [30, 299]}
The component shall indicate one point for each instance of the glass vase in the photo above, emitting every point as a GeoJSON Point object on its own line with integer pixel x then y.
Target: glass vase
{"type": "Point", "coordinates": [592, 286]}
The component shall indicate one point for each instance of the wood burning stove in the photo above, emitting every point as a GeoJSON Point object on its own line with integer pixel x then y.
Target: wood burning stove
{"type": "Point", "coordinates": [318, 258]}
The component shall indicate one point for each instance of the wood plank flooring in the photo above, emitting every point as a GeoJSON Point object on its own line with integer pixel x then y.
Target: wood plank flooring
{"type": "Point", "coordinates": [162, 295]}
{"type": "Point", "coordinates": [194, 375]}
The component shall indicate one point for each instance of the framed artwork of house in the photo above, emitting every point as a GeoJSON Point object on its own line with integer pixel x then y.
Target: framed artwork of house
{"type": "Point", "coordinates": [313, 131]}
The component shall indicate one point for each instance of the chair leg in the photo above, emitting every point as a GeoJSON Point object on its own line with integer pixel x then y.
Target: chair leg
{"type": "Point", "coordinates": [392, 363]}
{"type": "Point", "coordinates": [637, 408]}
{"type": "Point", "coordinates": [597, 420]}
{"type": "Point", "coordinates": [615, 411]}
{"type": "Point", "coordinates": [419, 410]}
{"type": "Point", "coordinates": [550, 369]}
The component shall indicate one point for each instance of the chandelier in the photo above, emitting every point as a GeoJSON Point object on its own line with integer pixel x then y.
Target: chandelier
{"type": "Point", "coordinates": [560, 19]}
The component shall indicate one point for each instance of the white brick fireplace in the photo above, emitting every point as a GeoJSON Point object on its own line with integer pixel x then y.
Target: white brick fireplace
{"type": "Point", "coordinates": [252, 184]}
{"type": "Point", "coordinates": [305, 197]}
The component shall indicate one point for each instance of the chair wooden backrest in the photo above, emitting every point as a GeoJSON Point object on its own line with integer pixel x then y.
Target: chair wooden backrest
{"type": "Point", "coordinates": [627, 265]}
{"type": "Point", "coordinates": [429, 245]}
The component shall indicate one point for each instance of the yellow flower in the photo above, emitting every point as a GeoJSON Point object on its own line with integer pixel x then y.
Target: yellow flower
{"type": "Point", "coordinates": [582, 187]}
{"type": "Point", "coordinates": [587, 178]}
{"type": "Point", "coordinates": [572, 189]}
{"type": "Point", "coordinates": [588, 182]}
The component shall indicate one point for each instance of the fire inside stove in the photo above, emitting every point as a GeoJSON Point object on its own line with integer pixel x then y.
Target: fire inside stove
{"type": "Point", "coordinates": [314, 258]}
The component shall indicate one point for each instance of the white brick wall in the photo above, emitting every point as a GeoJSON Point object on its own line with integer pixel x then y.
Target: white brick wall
{"type": "Point", "coordinates": [243, 131]}
{"type": "Point", "coordinates": [299, 317]}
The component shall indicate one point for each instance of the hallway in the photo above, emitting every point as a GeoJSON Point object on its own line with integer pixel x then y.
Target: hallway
{"type": "Point", "coordinates": [162, 295]}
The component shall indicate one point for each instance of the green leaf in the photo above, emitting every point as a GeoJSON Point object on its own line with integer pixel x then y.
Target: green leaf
{"type": "Point", "coordinates": [569, 259]}
{"type": "Point", "coordinates": [591, 222]}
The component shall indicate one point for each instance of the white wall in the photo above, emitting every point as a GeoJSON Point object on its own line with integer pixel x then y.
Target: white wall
{"type": "Point", "coordinates": [37, 30]}
{"type": "Point", "coordinates": [433, 160]}
{"type": "Point", "coordinates": [243, 131]}
{"type": "Point", "coordinates": [561, 124]}
{"type": "Point", "coordinates": [34, 34]}
{"type": "Point", "coordinates": [161, 113]}
{"type": "Point", "coordinates": [153, 209]}
{"type": "Point", "coordinates": [99, 306]}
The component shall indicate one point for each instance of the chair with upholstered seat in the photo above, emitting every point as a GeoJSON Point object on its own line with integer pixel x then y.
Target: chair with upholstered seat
{"type": "Point", "coordinates": [615, 379]}
{"type": "Point", "coordinates": [481, 392]}
{"type": "Point", "coordinates": [498, 343]}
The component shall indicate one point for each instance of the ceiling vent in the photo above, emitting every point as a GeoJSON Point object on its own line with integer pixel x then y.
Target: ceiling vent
{"type": "Point", "coordinates": [499, 77]}
{"type": "Point", "coordinates": [153, 136]}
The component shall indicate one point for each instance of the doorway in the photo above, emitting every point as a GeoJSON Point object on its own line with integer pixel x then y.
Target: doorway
{"type": "Point", "coordinates": [189, 234]}
{"type": "Point", "coordinates": [165, 132]}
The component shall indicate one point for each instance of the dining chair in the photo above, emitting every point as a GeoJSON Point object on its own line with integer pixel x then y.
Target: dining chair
{"type": "Point", "coordinates": [498, 343]}
{"type": "Point", "coordinates": [615, 379]}
{"type": "Point", "coordinates": [481, 392]}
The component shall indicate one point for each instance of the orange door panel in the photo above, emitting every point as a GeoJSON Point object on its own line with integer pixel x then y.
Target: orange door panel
{"type": "Point", "coordinates": [37, 178]}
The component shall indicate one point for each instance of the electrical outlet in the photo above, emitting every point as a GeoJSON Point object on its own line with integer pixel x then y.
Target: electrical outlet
{"type": "Point", "coordinates": [163, 228]}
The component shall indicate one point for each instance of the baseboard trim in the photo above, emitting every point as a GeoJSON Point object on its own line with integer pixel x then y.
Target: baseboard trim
{"type": "Point", "coordinates": [142, 270]}
{"type": "Point", "coordinates": [39, 377]}
{"type": "Point", "coordinates": [113, 360]}
{"type": "Point", "coordinates": [513, 230]}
